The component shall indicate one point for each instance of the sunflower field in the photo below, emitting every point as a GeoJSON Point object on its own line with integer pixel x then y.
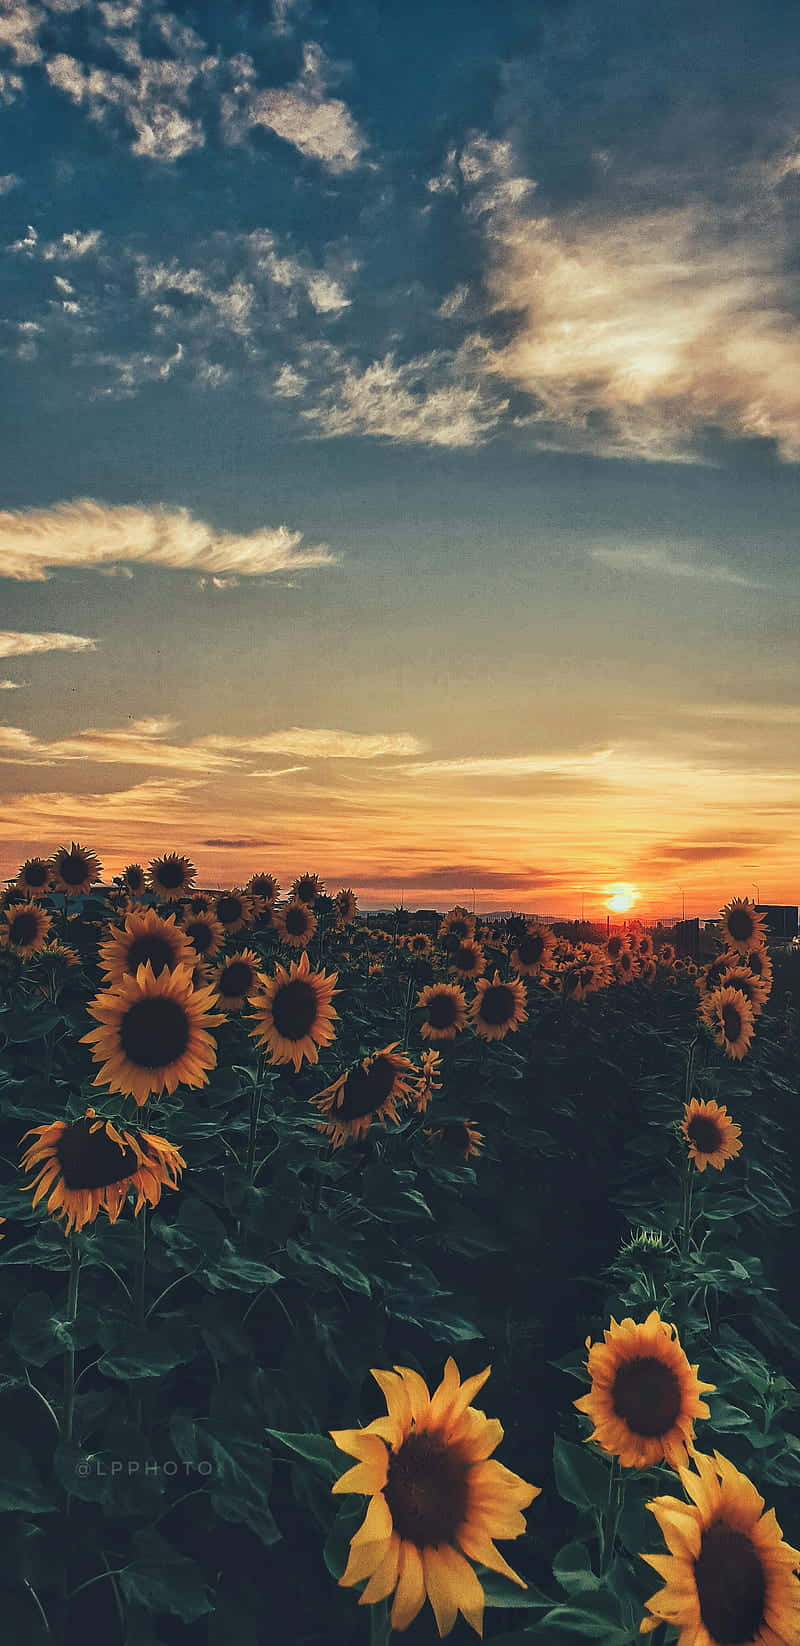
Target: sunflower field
{"type": "Point", "coordinates": [364, 1282]}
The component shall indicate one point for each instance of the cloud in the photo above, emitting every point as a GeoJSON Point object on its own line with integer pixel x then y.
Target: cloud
{"type": "Point", "coordinates": [151, 95]}
{"type": "Point", "coordinates": [14, 643]}
{"type": "Point", "coordinates": [85, 533]}
{"type": "Point", "coordinates": [321, 744]}
{"type": "Point", "coordinates": [760, 714]}
{"type": "Point", "coordinates": [19, 29]}
{"type": "Point", "coordinates": [318, 126]}
{"type": "Point", "coordinates": [142, 743]}
{"type": "Point", "coordinates": [240, 845]}
{"type": "Point", "coordinates": [280, 771]}
{"type": "Point", "coordinates": [439, 399]}
{"type": "Point", "coordinates": [9, 181]}
{"type": "Point", "coordinates": [665, 562]}
{"type": "Point", "coordinates": [12, 685]}
{"type": "Point", "coordinates": [468, 876]}
{"type": "Point", "coordinates": [510, 766]}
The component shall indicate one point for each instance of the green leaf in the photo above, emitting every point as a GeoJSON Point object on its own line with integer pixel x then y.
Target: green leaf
{"type": "Point", "coordinates": [500, 1591]}
{"type": "Point", "coordinates": [582, 1477]}
{"type": "Point", "coordinates": [21, 1489]}
{"type": "Point", "coordinates": [134, 1352]}
{"type": "Point", "coordinates": [317, 1449]}
{"type": "Point", "coordinates": [337, 1543]}
{"type": "Point", "coordinates": [590, 1624]}
{"type": "Point", "coordinates": [159, 1578]}
{"type": "Point", "coordinates": [336, 1263]}
{"type": "Point", "coordinates": [39, 1332]}
{"type": "Point", "coordinates": [242, 1274]}
{"type": "Point", "coordinates": [572, 1568]}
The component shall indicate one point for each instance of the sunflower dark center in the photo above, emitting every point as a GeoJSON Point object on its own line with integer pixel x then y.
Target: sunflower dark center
{"type": "Point", "coordinates": [263, 886]}
{"type": "Point", "coordinates": [229, 908]}
{"type": "Point", "coordinates": [755, 961]}
{"type": "Point", "coordinates": [36, 874]}
{"type": "Point", "coordinates": [442, 1011]}
{"type": "Point", "coordinates": [294, 1009]}
{"type": "Point", "coordinates": [170, 875]}
{"type": "Point", "coordinates": [459, 929]}
{"type": "Point", "coordinates": [647, 1395]}
{"type": "Point", "coordinates": [740, 925]}
{"type": "Point", "coordinates": [306, 889]}
{"type": "Point", "coordinates": [586, 976]}
{"type": "Point", "coordinates": [731, 1021]}
{"type": "Point", "coordinates": [23, 927]}
{"type": "Point", "coordinates": [731, 1586]}
{"type": "Point", "coordinates": [92, 1160]}
{"type": "Point", "coordinates": [297, 921]}
{"type": "Point", "coordinates": [73, 868]}
{"type": "Point", "coordinates": [366, 1090]}
{"type": "Point", "coordinates": [134, 878]}
{"type": "Point", "coordinates": [236, 979]}
{"type": "Point", "coordinates": [198, 905]}
{"type": "Point", "coordinates": [704, 1134]}
{"type": "Point", "coordinates": [419, 944]}
{"type": "Point", "coordinates": [427, 1491]}
{"type": "Point", "coordinates": [466, 959]}
{"type": "Point", "coordinates": [156, 949]}
{"type": "Point", "coordinates": [200, 934]}
{"type": "Point", "coordinates": [530, 949]}
{"type": "Point", "coordinates": [497, 1004]}
{"type": "Point", "coordinates": [456, 1135]}
{"type": "Point", "coordinates": [154, 1032]}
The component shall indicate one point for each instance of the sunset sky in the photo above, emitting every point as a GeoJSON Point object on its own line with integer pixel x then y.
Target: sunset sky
{"type": "Point", "coordinates": [400, 446]}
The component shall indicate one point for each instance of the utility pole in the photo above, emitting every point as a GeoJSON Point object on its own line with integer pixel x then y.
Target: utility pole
{"type": "Point", "coordinates": [758, 894]}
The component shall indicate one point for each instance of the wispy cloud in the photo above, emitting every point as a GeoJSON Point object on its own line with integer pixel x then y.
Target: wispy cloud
{"type": "Point", "coordinates": [510, 766]}
{"type": "Point", "coordinates": [9, 181]}
{"type": "Point", "coordinates": [322, 744]}
{"type": "Point", "coordinates": [439, 399]}
{"type": "Point", "coordinates": [279, 771]}
{"type": "Point", "coordinates": [150, 742]}
{"type": "Point", "coordinates": [12, 685]}
{"type": "Point", "coordinates": [16, 643]}
{"type": "Point", "coordinates": [35, 542]}
{"type": "Point", "coordinates": [319, 126]}
{"type": "Point", "coordinates": [667, 562]}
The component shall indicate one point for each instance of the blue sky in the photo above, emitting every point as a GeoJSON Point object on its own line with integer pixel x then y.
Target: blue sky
{"type": "Point", "coordinates": [401, 427]}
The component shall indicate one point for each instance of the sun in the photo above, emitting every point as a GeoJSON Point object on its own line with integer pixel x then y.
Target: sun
{"type": "Point", "coordinates": [622, 899]}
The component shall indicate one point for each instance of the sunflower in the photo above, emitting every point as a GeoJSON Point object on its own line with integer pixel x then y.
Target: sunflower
{"type": "Point", "coordinates": [34, 877]}
{"type": "Point", "coordinates": [87, 1166]}
{"type": "Point", "coordinates": [467, 960]}
{"type": "Point", "coordinates": [58, 956]}
{"type": "Point", "coordinates": [145, 938]}
{"type": "Point", "coordinates": [755, 989]}
{"type": "Point", "coordinates": [428, 1081]}
{"type": "Point", "coordinates": [712, 1136]}
{"type": "Point", "coordinates": [204, 932]}
{"type": "Point", "coordinates": [199, 903]}
{"type": "Point", "coordinates": [532, 950]}
{"type": "Point", "coordinates": [642, 945]}
{"type": "Point", "coordinates": [24, 928]}
{"type": "Point", "coordinates": [667, 955]}
{"type": "Point", "coordinates": [462, 1136]}
{"type": "Point", "coordinates": [591, 973]}
{"type": "Point", "coordinates": [418, 943]}
{"type": "Point", "coordinates": [729, 1576]}
{"type": "Point", "coordinates": [624, 967]}
{"type": "Point", "coordinates": [234, 910]}
{"type": "Point", "coordinates": [615, 945]}
{"type": "Point", "coordinates": [498, 1007]}
{"type": "Point", "coordinates": [236, 979]}
{"type": "Point", "coordinates": [346, 906]}
{"type": "Point", "coordinates": [295, 924]}
{"type": "Point", "coordinates": [730, 1018]}
{"type": "Point", "coordinates": [758, 962]}
{"type": "Point", "coordinates": [648, 970]}
{"type": "Point", "coordinates": [458, 923]}
{"type": "Point", "coordinates": [293, 1012]}
{"type": "Point", "coordinates": [445, 1011]}
{"type": "Point", "coordinates": [644, 1394]}
{"type": "Point", "coordinates": [263, 889]}
{"type": "Point", "coordinates": [74, 869]}
{"type": "Point", "coordinates": [170, 876]}
{"type": "Point", "coordinates": [369, 1091]}
{"type": "Point", "coordinates": [306, 888]}
{"type": "Point", "coordinates": [742, 925]}
{"type": "Point", "coordinates": [436, 1496]}
{"type": "Point", "coordinates": [154, 1033]}
{"type": "Point", "coordinates": [133, 879]}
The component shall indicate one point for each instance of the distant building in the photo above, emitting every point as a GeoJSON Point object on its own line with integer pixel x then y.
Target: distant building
{"type": "Point", "coordinates": [781, 920]}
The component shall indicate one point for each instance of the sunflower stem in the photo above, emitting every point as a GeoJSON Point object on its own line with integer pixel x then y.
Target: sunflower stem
{"type": "Point", "coordinates": [686, 1214]}
{"type": "Point", "coordinates": [380, 1629]}
{"type": "Point", "coordinates": [69, 1354]}
{"type": "Point", "coordinates": [141, 1313]}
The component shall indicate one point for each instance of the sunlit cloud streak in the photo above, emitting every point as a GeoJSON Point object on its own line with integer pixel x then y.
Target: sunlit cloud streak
{"type": "Point", "coordinates": [14, 643]}
{"type": "Point", "coordinates": [665, 562]}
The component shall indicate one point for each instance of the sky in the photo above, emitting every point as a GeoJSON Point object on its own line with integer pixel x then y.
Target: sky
{"type": "Point", "coordinates": [400, 444]}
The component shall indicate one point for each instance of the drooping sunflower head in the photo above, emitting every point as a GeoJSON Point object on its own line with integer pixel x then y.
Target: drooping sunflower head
{"type": "Point", "coordinates": [295, 923]}
{"type": "Point", "coordinates": [625, 966]}
{"type": "Point", "coordinates": [346, 906]}
{"type": "Point", "coordinates": [170, 876]}
{"type": "Point", "coordinates": [88, 1166]}
{"type": "Point", "coordinates": [145, 939]}
{"type": "Point", "coordinates": [427, 1081]}
{"type": "Point", "coordinates": [759, 963]}
{"type": "Point", "coordinates": [467, 959]}
{"type": "Point", "coordinates": [234, 910]}
{"type": "Point", "coordinates": [307, 888]}
{"type": "Point", "coordinates": [34, 877]}
{"type": "Point", "coordinates": [743, 925]}
{"type": "Point", "coordinates": [460, 1137]}
{"type": "Point", "coordinates": [205, 933]}
{"type": "Point", "coordinates": [199, 903]}
{"type": "Point", "coordinates": [133, 879]}
{"type": "Point", "coordinates": [498, 1007]}
{"type": "Point", "coordinates": [644, 1394]}
{"type": "Point", "coordinates": [729, 1577]}
{"type": "Point", "coordinates": [591, 972]}
{"type": "Point", "coordinates": [648, 970]}
{"type": "Point", "coordinates": [24, 928]}
{"type": "Point", "coordinates": [531, 950]}
{"type": "Point", "coordinates": [236, 979]}
{"type": "Point", "coordinates": [263, 887]}
{"type": "Point", "coordinates": [458, 924]}
{"type": "Point", "coordinates": [74, 869]}
{"type": "Point", "coordinates": [755, 989]}
{"type": "Point", "coordinates": [154, 1033]}
{"type": "Point", "coordinates": [436, 1497]}
{"type": "Point", "coordinates": [712, 1136]}
{"type": "Point", "coordinates": [293, 1012]}
{"type": "Point", "coordinates": [615, 945]}
{"type": "Point", "coordinates": [58, 957]}
{"type": "Point", "coordinates": [445, 1011]}
{"type": "Point", "coordinates": [730, 1018]}
{"type": "Point", "coordinates": [369, 1091]}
